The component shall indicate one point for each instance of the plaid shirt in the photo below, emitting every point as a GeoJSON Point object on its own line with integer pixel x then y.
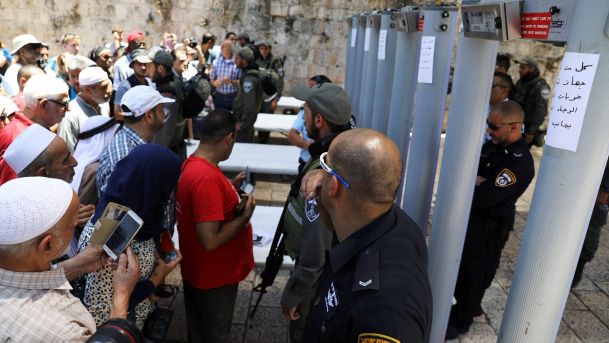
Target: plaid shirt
{"type": "Point", "coordinates": [120, 146]}
{"type": "Point", "coordinates": [38, 307]}
{"type": "Point", "coordinates": [226, 68]}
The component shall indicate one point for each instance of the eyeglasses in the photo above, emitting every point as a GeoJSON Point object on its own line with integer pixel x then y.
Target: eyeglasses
{"type": "Point", "coordinates": [165, 114]}
{"type": "Point", "coordinates": [497, 126]}
{"type": "Point", "coordinates": [327, 168]}
{"type": "Point", "coordinates": [498, 85]}
{"type": "Point", "coordinates": [65, 105]}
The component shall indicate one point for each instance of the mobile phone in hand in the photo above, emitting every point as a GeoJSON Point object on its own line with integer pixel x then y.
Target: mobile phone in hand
{"type": "Point", "coordinates": [246, 185]}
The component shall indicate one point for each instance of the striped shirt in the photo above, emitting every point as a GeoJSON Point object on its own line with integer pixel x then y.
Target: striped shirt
{"type": "Point", "coordinates": [38, 307]}
{"type": "Point", "coordinates": [226, 68]}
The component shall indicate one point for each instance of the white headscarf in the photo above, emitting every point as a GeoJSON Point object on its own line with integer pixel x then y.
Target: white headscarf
{"type": "Point", "coordinates": [90, 149]}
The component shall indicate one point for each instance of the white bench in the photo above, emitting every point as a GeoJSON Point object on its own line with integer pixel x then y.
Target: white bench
{"type": "Point", "coordinates": [289, 102]}
{"type": "Point", "coordinates": [274, 122]}
{"type": "Point", "coordinates": [266, 218]}
{"type": "Point", "coordinates": [260, 158]}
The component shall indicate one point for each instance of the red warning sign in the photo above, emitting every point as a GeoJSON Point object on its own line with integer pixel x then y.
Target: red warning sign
{"type": "Point", "coordinates": [421, 23]}
{"type": "Point", "coordinates": [536, 25]}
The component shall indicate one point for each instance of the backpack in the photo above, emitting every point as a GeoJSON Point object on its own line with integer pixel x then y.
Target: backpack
{"type": "Point", "coordinates": [196, 92]}
{"type": "Point", "coordinates": [270, 80]}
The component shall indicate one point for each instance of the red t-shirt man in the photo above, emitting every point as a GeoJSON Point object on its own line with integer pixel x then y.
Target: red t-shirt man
{"type": "Point", "coordinates": [205, 194]}
{"type": "Point", "coordinates": [17, 123]}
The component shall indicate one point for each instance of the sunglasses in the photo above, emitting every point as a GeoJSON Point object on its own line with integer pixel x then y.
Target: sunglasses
{"type": "Point", "coordinates": [495, 127]}
{"type": "Point", "coordinates": [65, 105]}
{"type": "Point", "coordinates": [327, 168]}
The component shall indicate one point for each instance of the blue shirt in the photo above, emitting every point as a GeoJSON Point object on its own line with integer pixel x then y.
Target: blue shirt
{"type": "Point", "coordinates": [299, 125]}
{"type": "Point", "coordinates": [122, 70]}
{"type": "Point", "coordinates": [226, 68]}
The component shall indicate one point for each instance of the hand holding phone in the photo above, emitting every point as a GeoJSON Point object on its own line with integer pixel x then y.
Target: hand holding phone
{"type": "Point", "coordinates": [122, 235]}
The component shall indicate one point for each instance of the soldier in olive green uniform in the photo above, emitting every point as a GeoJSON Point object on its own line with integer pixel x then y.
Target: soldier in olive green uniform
{"type": "Point", "coordinates": [266, 61]}
{"type": "Point", "coordinates": [327, 113]}
{"type": "Point", "coordinates": [532, 93]}
{"type": "Point", "coordinates": [250, 97]}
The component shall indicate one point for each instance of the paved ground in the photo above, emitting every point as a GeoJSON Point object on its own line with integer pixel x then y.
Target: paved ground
{"type": "Point", "coordinates": [586, 317]}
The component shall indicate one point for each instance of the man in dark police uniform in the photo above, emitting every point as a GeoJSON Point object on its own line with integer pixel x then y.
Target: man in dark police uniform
{"type": "Point", "coordinates": [374, 286]}
{"type": "Point", "coordinates": [504, 173]}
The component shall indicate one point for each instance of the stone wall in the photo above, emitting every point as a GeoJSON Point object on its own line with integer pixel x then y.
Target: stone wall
{"type": "Point", "coordinates": [312, 34]}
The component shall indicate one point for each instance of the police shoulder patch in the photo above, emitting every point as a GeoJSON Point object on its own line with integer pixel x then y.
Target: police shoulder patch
{"type": "Point", "coordinates": [375, 338]}
{"type": "Point", "coordinates": [505, 178]}
{"type": "Point", "coordinates": [545, 92]}
{"type": "Point", "coordinates": [311, 209]}
{"type": "Point", "coordinates": [247, 86]}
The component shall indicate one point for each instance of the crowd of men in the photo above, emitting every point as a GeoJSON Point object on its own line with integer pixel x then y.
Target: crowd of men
{"type": "Point", "coordinates": [78, 133]}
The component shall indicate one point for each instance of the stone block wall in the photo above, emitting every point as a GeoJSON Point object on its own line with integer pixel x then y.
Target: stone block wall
{"type": "Point", "coordinates": [311, 34]}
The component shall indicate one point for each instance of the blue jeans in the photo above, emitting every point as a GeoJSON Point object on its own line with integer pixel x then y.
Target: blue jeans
{"type": "Point", "coordinates": [224, 100]}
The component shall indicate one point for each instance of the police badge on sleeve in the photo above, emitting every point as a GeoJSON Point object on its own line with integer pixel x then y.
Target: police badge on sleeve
{"type": "Point", "coordinates": [311, 210]}
{"type": "Point", "coordinates": [247, 86]}
{"type": "Point", "coordinates": [505, 178]}
{"type": "Point", "coordinates": [331, 299]}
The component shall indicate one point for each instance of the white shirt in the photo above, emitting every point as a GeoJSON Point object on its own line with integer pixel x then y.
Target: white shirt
{"type": "Point", "coordinates": [9, 80]}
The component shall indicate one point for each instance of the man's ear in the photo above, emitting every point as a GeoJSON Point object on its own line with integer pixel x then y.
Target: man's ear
{"type": "Point", "coordinates": [230, 137]}
{"type": "Point", "coordinates": [41, 171]}
{"type": "Point", "coordinates": [42, 103]}
{"type": "Point", "coordinates": [149, 116]}
{"type": "Point", "coordinates": [333, 186]}
{"type": "Point", "coordinates": [319, 121]}
{"type": "Point", "coordinates": [46, 246]}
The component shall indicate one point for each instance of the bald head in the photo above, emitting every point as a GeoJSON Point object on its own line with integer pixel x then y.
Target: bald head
{"type": "Point", "coordinates": [25, 72]}
{"type": "Point", "coordinates": [370, 162]}
{"type": "Point", "coordinates": [510, 111]}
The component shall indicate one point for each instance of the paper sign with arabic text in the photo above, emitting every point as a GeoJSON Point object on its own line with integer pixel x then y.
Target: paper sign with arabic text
{"type": "Point", "coordinates": [571, 94]}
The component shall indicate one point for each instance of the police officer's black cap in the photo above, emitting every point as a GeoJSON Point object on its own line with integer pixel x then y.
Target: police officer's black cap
{"type": "Point", "coordinates": [244, 35]}
{"type": "Point", "coordinates": [162, 57]}
{"type": "Point", "coordinates": [247, 54]}
{"type": "Point", "coordinates": [528, 61]}
{"type": "Point", "coordinates": [328, 100]}
{"type": "Point", "coordinates": [208, 36]}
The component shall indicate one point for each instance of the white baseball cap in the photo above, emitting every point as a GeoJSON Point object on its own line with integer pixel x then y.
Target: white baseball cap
{"type": "Point", "coordinates": [91, 76]}
{"type": "Point", "coordinates": [27, 146]}
{"type": "Point", "coordinates": [140, 99]}
{"type": "Point", "coordinates": [31, 206]}
{"type": "Point", "coordinates": [23, 40]}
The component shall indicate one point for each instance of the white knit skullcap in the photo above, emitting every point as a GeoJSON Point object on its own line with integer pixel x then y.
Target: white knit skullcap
{"type": "Point", "coordinates": [91, 76]}
{"type": "Point", "coordinates": [31, 206]}
{"type": "Point", "coordinates": [27, 146]}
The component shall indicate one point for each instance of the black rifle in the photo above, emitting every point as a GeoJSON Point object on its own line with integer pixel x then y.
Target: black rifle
{"type": "Point", "coordinates": [273, 261]}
